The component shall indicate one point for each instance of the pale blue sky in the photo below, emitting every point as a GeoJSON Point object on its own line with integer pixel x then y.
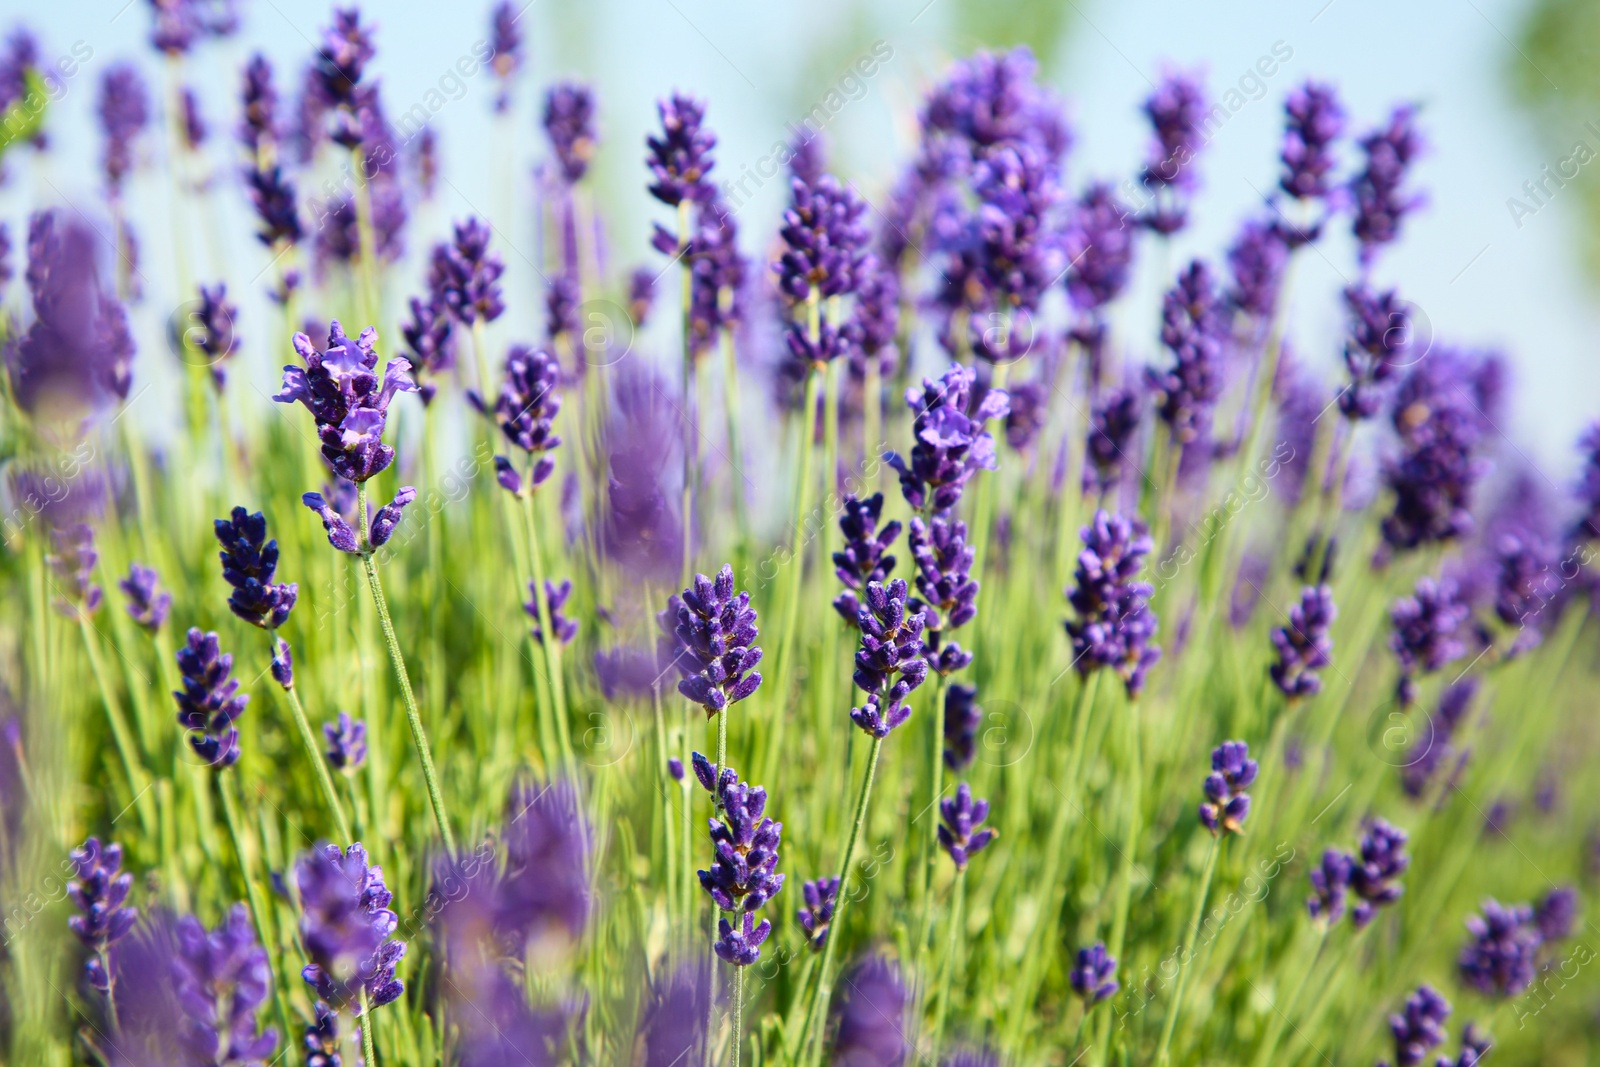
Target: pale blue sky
{"type": "Point", "coordinates": [1480, 279]}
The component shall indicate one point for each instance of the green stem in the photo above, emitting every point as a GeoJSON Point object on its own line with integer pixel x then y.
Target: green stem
{"type": "Point", "coordinates": [819, 999]}
{"type": "Point", "coordinates": [1280, 1017]}
{"type": "Point", "coordinates": [957, 928]}
{"type": "Point", "coordinates": [1167, 1028]}
{"type": "Point", "coordinates": [319, 761]}
{"type": "Point", "coordinates": [551, 644]}
{"type": "Point", "coordinates": [930, 842]}
{"type": "Point", "coordinates": [690, 451]}
{"type": "Point", "coordinates": [369, 1051]}
{"type": "Point", "coordinates": [738, 1013]}
{"type": "Point", "coordinates": [258, 911]}
{"type": "Point", "coordinates": [730, 402]}
{"type": "Point", "coordinates": [413, 718]}
{"type": "Point", "coordinates": [138, 780]}
{"type": "Point", "coordinates": [1130, 843]}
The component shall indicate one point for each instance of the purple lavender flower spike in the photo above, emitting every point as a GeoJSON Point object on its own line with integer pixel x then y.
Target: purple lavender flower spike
{"type": "Point", "coordinates": [821, 897]}
{"type": "Point", "coordinates": [1113, 422]}
{"type": "Point", "coordinates": [213, 334]}
{"type": "Point", "coordinates": [889, 662]}
{"type": "Point", "coordinates": [1314, 119]}
{"type": "Point", "coordinates": [569, 123]}
{"type": "Point", "coordinates": [962, 717]}
{"type": "Point", "coordinates": [1500, 960]}
{"type": "Point", "coordinates": [386, 518]}
{"type": "Point", "coordinates": [741, 945]}
{"type": "Point", "coordinates": [1114, 622]}
{"type": "Point", "coordinates": [641, 296]}
{"type": "Point", "coordinates": [672, 1028]}
{"type": "Point", "coordinates": [273, 197]}
{"type": "Point", "coordinates": [1419, 1027]}
{"type": "Point", "coordinates": [1257, 259]}
{"type": "Point", "coordinates": [466, 275]}
{"type": "Point", "coordinates": [347, 929]}
{"type": "Point", "coordinates": [544, 896]}
{"type": "Point", "coordinates": [259, 97]}
{"type": "Point", "coordinates": [1099, 249]}
{"type": "Point", "coordinates": [124, 109]}
{"type": "Point", "coordinates": [341, 389]}
{"type": "Point", "coordinates": [100, 890]}
{"type": "Point", "coordinates": [525, 409]}
{"type": "Point", "coordinates": [340, 535]}
{"type": "Point", "coordinates": [506, 44]}
{"type": "Point", "coordinates": [1556, 914]}
{"type": "Point", "coordinates": [322, 1042]}
{"type": "Point", "coordinates": [210, 702]}
{"type": "Point", "coordinates": [944, 563]}
{"type": "Point", "coordinates": [952, 444]}
{"type": "Point", "coordinates": [825, 238]}
{"type": "Point", "coordinates": [1380, 203]}
{"type": "Point", "coordinates": [959, 832]}
{"type": "Point", "coordinates": [1427, 629]}
{"type": "Point", "coordinates": [705, 773]}
{"type": "Point", "coordinates": [1094, 978]}
{"type": "Point", "coordinates": [72, 560]}
{"type": "Point", "coordinates": [347, 742]}
{"type": "Point", "coordinates": [1227, 804]}
{"type": "Point", "coordinates": [555, 598]}
{"type": "Point", "coordinates": [148, 604]}
{"type": "Point", "coordinates": [743, 877]}
{"type": "Point", "coordinates": [1440, 422]}
{"type": "Point", "coordinates": [865, 557]}
{"type": "Point", "coordinates": [680, 158]}
{"type": "Point", "coordinates": [222, 978]}
{"type": "Point", "coordinates": [1475, 1045]}
{"type": "Point", "coordinates": [1380, 340]}
{"type": "Point", "coordinates": [1373, 872]}
{"type": "Point", "coordinates": [282, 663]}
{"type": "Point", "coordinates": [717, 274]}
{"type": "Point", "coordinates": [337, 71]}
{"type": "Point", "coordinates": [1192, 330]}
{"type": "Point", "coordinates": [1587, 527]}
{"type": "Point", "coordinates": [1304, 645]}
{"type": "Point", "coordinates": [1175, 111]}
{"type": "Point", "coordinates": [1330, 884]}
{"type": "Point", "coordinates": [808, 154]}
{"type": "Point", "coordinates": [715, 632]}
{"type": "Point", "coordinates": [249, 563]}
{"type": "Point", "coordinates": [430, 336]}
{"type": "Point", "coordinates": [870, 1017]}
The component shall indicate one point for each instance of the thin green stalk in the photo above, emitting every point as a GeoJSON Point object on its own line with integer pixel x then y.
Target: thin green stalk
{"type": "Point", "coordinates": [730, 402]}
{"type": "Point", "coordinates": [690, 450]}
{"type": "Point", "coordinates": [550, 644]}
{"type": "Point", "coordinates": [320, 763]}
{"type": "Point", "coordinates": [369, 1051]}
{"type": "Point", "coordinates": [819, 999]}
{"type": "Point", "coordinates": [1130, 842]}
{"type": "Point", "coordinates": [738, 1013]}
{"type": "Point", "coordinates": [138, 779]}
{"type": "Point", "coordinates": [930, 841]}
{"type": "Point", "coordinates": [958, 925]}
{"type": "Point", "coordinates": [1280, 1016]}
{"type": "Point", "coordinates": [419, 736]}
{"type": "Point", "coordinates": [252, 894]}
{"type": "Point", "coordinates": [1167, 1028]}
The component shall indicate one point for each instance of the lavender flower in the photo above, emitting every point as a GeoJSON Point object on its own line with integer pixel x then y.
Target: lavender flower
{"type": "Point", "coordinates": [808, 154]}
{"type": "Point", "coordinates": [952, 444]}
{"type": "Point", "coordinates": [569, 123]}
{"type": "Point", "coordinates": [506, 45]}
{"type": "Point", "coordinates": [1556, 914]}
{"type": "Point", "coordinates": [430, 337]}
{"type": "Point", "coordinates": [816, 917]}
{"type": "Point", "coordinates": [347, 742]}
{"type": "Point", "coordinates": [147, 603]}
{"type": "Point", "coordinates": [273, 197]}
{"type": "Point", "coordinates": [1439, 422]}
{"type": "Point", "coordinates": [555, 598]}
{"type": "Point", "coordinates": [948, 592]}
{"type": "Point", "coordinates": [466, 275]}
{"type": "Point", "coordinates": [1315, 120]}
{"type": "Point", "coordinates": [249, 563]}
{"type": "Point", "coordinates": [870, 1018]}
{"type": "Point", "coordinates": [258, 130]}
{"type": "Point", "coordinates": [1113, 422]}
{"type": "Point", "coordinates": [1227, 804]}
{"type": "Point", "coordinates": [1426, 631]}
{"type": "Point", "coordinates": [825, 237]}
{"type": "Point", "coordinates": [1330, 884]}
{"type": "Point", "coordinates": [322, 1043]}
{"type": "Point", "coordinates": [1094, 978]}
{"type": "Point", "coordinates": [381, 528]}
{"type": "Point", "coordinates": [527, 405]}
{"type": "Point", "coordinates": [641, 296]}
{"type": "Point", "coordinates": [992, 98]}
{"type": "Point", "coordinates": [1500, 959]}
{"type": "Point", "coordinates": [1258, 259]}
{"type": "Point", "coordinates": [1191, 329]}
{"type": "Point", "coordinates": [1525, 580]}
{"type": "Point", "coordinates": [959, 832]}
{"type": "Point", "coordinates": [210, 702]}
{"type": "Point", "coordinates": [222, 978]}
{"type": "Point", "coordinates": [340, 388]}
{"type": "Point", "coordinates": [672, 1027]}
{"type": "Point", "coordinates": [744, 875]}
{"type": "Point", "coordinates": [1114, 622]}
{"type": "Point", "coordinates": [100, 890]}
{"type": "Point", "coordinates": [337, 71]}
{"type": "Point", "coordinates": [1475, 1045]}
{"type": "Point", "coordinates": [1587, 528]}
{"type": "Point", "coordinates": [680, 158]}
{"type": "Point", "coordinates": [1304, 645]}
{"type": "Point", "coordinates": [716, 634]}
{"type": "Point", "coordinates": [1098, 248]}
{"type": "Point", "coordinates": [1008, 258]}
{"type": "Point", "coordinates": [641, 529]}
{"type": "Point", "coordinates": [1419, 1028]}
{"type": "Point", "coordinates": [282, 666]}
{"type": "Point", "coordinates": [962, 717]}
{"type": "Point", "coordinates": [544, 899]}
{"type": "Point", "coordinates": [124, 109]}
{"type": "Point", "coordinates": [889, 661]}
{"type": "Point", "coordinates": [347, 929]}
{"type": "Point", "coordinates": [72, 562]}
{"type": "Point", "coordinates": [865, 557]}
{"type": "Point", "coordinates": [1175, 111]}
{"type": "Point", "coordinates": [1380, 204]}
{"type": "Point", "coordinates": [1374, 870]}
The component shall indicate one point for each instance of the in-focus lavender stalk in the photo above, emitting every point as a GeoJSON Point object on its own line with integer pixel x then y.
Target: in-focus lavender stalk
{"type": "Point", "coordinates": [100, 891]}
{"type": "Point", "coordinates": [865, 556]}
{"type": "Point", "coordinates": [952, 444]}
{"type": "Point", "coordinates": [249, 563]}
{"type": "Point", "coordinates": [210, 702]}
{"type": "Point", "coordinates": [1114, 623]}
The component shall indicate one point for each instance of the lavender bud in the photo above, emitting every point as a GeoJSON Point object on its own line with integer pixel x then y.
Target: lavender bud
{"type": "Point", "coordinates": [347, 742]}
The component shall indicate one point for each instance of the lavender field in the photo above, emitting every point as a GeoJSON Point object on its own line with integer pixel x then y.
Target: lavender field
{"type": "Point", "coordinates": [492, 634]}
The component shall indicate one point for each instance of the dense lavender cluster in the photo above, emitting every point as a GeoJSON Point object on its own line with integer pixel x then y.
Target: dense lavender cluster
{"type": "Point", "coordinates": [249, 563]}
{"type": "Point", "coordinates": [347, 929]}
{"type": "Point", "coordinates": [952, 444]}
{"type": "Point", "coordinates": [889, 662]}
{"type": "Point", "coordinates": [961, 833]}
{"type": "Point", "coordinates": [525, 411]}
{"type": "Point", "coordinates": [865, 556]}
{"type": "Point", "coordinates": [1227, 803]}
{"type": "Point", "coordinates": [341, 389]}
{"type": "Point", "coordinates": [210, 702]}
{"type": "Point", "coordinates": [715, 633]}
{"type": "Point", "coordinates": [100, 890]}
{"type": "Point", "coordinates": [1304, 645]}
{"type": "Point", "coordinates": [1114, 623]}
{"type": "Point", "coordinates": [744, 875]}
